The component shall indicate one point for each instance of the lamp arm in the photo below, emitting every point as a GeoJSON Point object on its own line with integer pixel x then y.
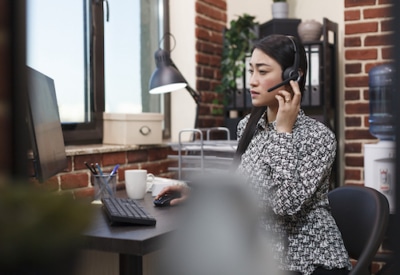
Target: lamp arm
{"type": "Point", "coordinates": [195, 94]}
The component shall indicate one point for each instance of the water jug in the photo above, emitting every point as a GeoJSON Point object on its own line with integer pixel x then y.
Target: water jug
{"type": "Point", "coordinates": [381, 89]}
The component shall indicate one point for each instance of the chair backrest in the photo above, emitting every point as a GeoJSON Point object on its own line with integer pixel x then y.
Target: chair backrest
{"type": "Point", "coordinates": [362, 215]}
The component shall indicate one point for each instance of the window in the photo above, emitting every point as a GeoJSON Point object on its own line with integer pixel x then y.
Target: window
{"type": "Point", "coordinates": [100, 55]}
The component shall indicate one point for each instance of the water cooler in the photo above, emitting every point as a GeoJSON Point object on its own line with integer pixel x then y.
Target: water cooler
{"type": "Point", "coordinates": [379, 158]}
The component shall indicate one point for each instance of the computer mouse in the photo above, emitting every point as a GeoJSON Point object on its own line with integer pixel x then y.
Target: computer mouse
{"type": "Point", "coordinates": [166, 199]}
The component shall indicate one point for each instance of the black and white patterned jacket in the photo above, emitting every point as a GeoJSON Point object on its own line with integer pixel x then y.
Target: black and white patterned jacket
{"type": "Point", "coordinates": [290, 174]}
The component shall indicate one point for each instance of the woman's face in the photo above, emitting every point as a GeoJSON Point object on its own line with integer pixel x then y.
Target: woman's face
{"type": "Point", "coordinates": [265, 73]}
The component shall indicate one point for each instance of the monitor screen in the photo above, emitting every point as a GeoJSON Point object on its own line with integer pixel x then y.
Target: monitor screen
{"type": "Point", "coordinates": [45, 127]}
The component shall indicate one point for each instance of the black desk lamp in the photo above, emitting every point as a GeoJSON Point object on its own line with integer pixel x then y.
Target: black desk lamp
{"type": "Point", "coordinates": [167, 78]}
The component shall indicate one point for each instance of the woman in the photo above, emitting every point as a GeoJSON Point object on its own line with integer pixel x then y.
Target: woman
{"type": "Point", "coordinates": [287, 158]}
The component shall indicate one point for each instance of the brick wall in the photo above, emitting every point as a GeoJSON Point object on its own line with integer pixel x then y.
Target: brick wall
{"type": "Point", "coordinates": [210, 22]}
{"type": "Point", "coordinates": [77, 181]}
{"type": "Point", "coordinates": [367, 43]}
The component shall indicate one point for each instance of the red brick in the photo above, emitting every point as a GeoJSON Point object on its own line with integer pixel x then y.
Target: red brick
{"type": "Point", "coordinates": [203, 85]}
{"type": "Point", "coordinates": [354, 28]}
{"type": "Point", "coordinates": [361, 54]}
{"type": "Point", "coordinates": [203, 34]}
{"type": "Point", "coordinates": [210, 11]}
{"type": "Point", "coordinates": [353, 147]}
{"type": "Point", "coordinates": [379, 12]}
{"type": "Point", "coordinates": [72, 181]}
{"type": "Point", "coordinates": [207, 73]}
{"type": "Point", "coordinates": [350, 15]}
{"type": "Point", "coordinates": [352, 41]}
{"type": "Point", "coordinates": [79, 161]}
{"type": "Point", "coordinates": [157, 154]}
{"type": "Point", "coordinates": [387, 53]}
{"type": "Point", "coordinates": [352, 174]}
{"type": "Point", "coordinates": [365, 94]}
{"type": "Point", "coordinates": [369, 66]}
{"type": "Point", "coordinates": [358, 134]}
{"type": "Point", "coordinates": [353, 121]}
{"type": "Point", "coordinates": [137, 156]}
{"type": "Point", "coordinates": [111, 159]}
{"type": "Point", "coordinates": [354, 161]}
{"type": "Point", "coordinates": [379, 40]}
{"type": "Point", "coordinates": [352, 95]}
{"type": "Point", "coordinates": [221, 4]}
{"type": "Point", "coordinates": [353, 68]}
{"type": "Point", "coordinates": [215, 60]}
{"type": "Point", "coordinates": [366, 121]}
{"type": "Point", "coordinates": [357, 108]}
{"type": "Point", "coordinates": [207, 48]}
{"type": "Point", "coordinates": [356, 81]}
{"type": "Point", "coordinates": [358, 3]}
{"type": "Point", "coordinates": [217, 26]}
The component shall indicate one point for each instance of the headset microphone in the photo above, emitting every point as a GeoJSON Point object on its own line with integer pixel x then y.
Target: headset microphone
{"type": "Point", "coordinates": [296, 78]}
{"type": "Point", "coordinates": [291, 73]}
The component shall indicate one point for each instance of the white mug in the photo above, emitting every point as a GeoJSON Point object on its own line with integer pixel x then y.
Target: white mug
{"type": "Point", "coordinates": [136, 183]}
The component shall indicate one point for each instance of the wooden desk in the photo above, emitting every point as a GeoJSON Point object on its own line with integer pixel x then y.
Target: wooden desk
{"type": "Point", "coordinates": [131, 242]}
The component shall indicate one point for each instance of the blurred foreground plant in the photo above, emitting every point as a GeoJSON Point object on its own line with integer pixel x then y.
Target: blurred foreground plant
{"type": "Point", "coordinates": [40, 232]}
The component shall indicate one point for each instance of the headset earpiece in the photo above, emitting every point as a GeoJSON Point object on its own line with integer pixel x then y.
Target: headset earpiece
{"type": "Point", "coordinates": [292, 72]}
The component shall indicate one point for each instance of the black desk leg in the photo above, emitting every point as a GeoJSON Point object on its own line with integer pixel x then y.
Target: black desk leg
{"type": "Point", "coordinates": [130, 264]}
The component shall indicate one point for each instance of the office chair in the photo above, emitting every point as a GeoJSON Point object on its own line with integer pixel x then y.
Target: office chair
{"type": "Point", "coordinates": [362, 215]}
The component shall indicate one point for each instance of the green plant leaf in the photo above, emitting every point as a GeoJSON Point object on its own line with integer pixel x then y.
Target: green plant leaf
{"type": "Point", "coordinates": [237, 43]}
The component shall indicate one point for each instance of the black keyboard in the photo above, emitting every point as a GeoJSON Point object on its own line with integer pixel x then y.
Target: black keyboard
{"type": "Point", "coordinates": [121, 210]}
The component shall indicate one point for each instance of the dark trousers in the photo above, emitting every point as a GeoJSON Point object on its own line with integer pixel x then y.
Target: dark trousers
{"type": "Point", "coordinates": [322, 271]}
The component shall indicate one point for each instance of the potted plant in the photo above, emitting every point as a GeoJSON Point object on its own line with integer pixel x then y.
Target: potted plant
{"type": "Point", "coordinates": [280, 9]}
{"type": "Point", "coordinates": [236, 44]}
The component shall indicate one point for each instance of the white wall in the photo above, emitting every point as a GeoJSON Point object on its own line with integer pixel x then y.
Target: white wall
{"type": "Point", "coordinates": [182, 26]}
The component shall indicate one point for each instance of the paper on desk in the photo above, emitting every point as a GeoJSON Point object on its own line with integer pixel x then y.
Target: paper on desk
{"type": "Point", "coordinates": [158, 183]}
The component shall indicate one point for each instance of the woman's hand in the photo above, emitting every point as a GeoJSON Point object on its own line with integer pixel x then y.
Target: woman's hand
{"type": "Point", "coordinates": [183, 190]}
{"type": "Point", "coordinates": [288, 108]}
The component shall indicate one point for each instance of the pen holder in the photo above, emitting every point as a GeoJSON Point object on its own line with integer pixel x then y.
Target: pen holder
{"type": "Point", "coordinates": [104, 186]}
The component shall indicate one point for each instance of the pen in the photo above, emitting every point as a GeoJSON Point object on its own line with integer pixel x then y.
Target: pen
{"type": "Point", "coordinates": [99, 169]}
{"type": "Point", "coordinates": [104, 183]}
{"type": "Point", "coordinates": [114, 170]}
{"type": "Point", "coordinates": [91, 168]}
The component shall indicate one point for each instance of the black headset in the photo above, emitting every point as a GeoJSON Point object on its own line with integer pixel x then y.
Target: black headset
{"type": "Point", "coordinates": [292, 72]}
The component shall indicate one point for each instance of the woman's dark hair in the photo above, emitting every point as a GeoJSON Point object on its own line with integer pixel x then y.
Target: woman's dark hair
{"type": "Point", "coordinates": [281, 49]}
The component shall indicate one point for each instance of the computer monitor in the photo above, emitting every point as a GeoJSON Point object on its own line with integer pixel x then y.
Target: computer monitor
{"type": "Point", "coordinates": [44, 125]}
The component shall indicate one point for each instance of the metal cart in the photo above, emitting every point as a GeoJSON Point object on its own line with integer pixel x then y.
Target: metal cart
{"type": "Point", "coordinates": [202, 155]}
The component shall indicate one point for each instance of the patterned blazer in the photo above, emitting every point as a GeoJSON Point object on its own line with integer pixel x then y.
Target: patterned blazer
{"type": "Point", "coordinates": [290, 174]}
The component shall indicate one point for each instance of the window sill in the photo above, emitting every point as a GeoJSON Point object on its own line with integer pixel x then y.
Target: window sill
{"type": "Point", "coordinates": [76, 150]}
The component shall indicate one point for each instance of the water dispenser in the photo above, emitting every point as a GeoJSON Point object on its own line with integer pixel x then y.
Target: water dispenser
{"type": "Point", "coordinates": [379, 158]}
{"type": "Point", "coordinates": [381, 88]}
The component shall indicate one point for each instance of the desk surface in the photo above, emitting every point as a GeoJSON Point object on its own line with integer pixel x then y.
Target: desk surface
{"type": "Point", "coordinates": [131, 239]}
